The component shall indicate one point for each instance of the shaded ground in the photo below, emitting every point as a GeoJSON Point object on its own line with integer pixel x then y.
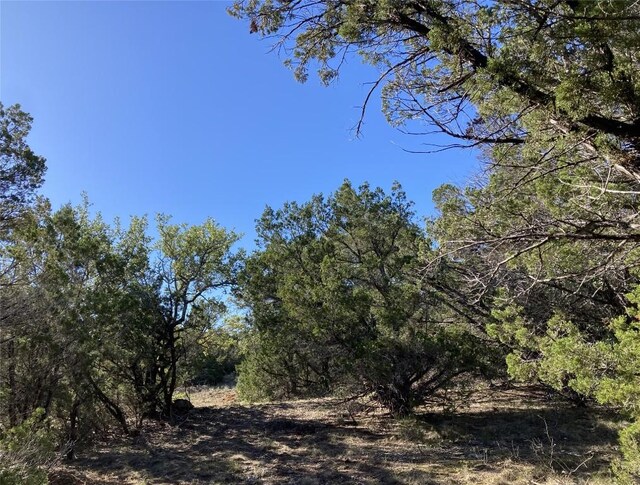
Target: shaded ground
{"type": "Point", "coordinates": [496, 439]}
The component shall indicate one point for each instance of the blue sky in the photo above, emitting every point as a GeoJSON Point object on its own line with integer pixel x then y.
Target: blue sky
{"type": "Point", "coordinates": [174, 107]}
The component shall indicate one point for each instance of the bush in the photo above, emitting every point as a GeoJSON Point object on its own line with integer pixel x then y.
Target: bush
{"type": "Point", "coordinates": [337, 301]}
{"type": "Point", "coordinates": [605, 369]}
{"type": "Point", "coordinates": [214, 353]}
{"type": "Point", "coordinates": [27, 451]}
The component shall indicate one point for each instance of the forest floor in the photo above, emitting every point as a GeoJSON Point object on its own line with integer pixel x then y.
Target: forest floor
{"type": "Point", "coordinates": [514, 436]}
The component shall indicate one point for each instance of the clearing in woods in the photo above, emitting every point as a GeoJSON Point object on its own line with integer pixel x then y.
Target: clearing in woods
{"type": "Point", "coordinates": [514, 436]}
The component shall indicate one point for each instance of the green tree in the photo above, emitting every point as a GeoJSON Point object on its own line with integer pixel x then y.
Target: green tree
{"type": "Point", "coordinates": [95, 331]}
{"type": "Point", "coordinates": [565, 356]}
{"type": "Point", "coordinates": [337, 301]}
{"type": "Point", "coordinates": [497, 73]}
{"type": "Point", "coordinates": [194, 264]}
{"type": "Point", "coordinates": [94, 318]}
{"type": "Point", "coordinates": [52, 341]}
{"type": "Point", "coordinates": [27, 451]}
{"type": "Point", "coordinates": [547, 89]}
{"type": "Point", "coordinates": [214, 348]}
{"type": "Point", "coordinates": [21, 170]}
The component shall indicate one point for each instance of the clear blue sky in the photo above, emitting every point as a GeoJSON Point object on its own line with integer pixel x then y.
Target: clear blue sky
{"type": "Point", "coordinates": [174, 107]}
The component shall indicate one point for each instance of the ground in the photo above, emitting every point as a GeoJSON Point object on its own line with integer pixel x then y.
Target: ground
{"type": "Point", "coordinates": [512, 436]}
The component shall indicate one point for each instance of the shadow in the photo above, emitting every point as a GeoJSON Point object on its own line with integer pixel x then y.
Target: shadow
{"type": "Point", "coordinates": [565, 439]}
{"type": "Point", "coordinates": [247, 445]}
{"type": "Point", "coordinates": [306, 443]}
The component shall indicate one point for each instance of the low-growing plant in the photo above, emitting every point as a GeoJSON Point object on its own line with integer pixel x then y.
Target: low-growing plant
{"type": "Point", "coordinates": [604, 369]}
{"type": "Point", "coordinates": [27, 451]}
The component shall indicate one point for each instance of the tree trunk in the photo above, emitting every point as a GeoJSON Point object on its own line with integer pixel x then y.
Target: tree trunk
{"type": "Point", "coordinates": [396, 397]}
{"type": "Point", "coordinates": [11, 370]}
{"type": "Point", "coordinates": [173, 374]}
{"type": "Point", "coordinates": [73, 429]}
{"type": "Point", "coordinates": [112, 407]}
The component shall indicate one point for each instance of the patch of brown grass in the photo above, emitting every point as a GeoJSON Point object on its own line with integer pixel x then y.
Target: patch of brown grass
{"type": "Point", "coordinates": [515, 436]}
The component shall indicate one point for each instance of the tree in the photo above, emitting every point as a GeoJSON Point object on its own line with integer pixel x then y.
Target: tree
{"type": "Point", "coordinates": [336, 301]}
{"type": "Point", "coordinates": [51, 340]}
{"type": "Point", "coordinates": [194, 264]}
{"type": "Point", "coordinates": [95, 329]}
{"type": "Point", "coordinates": [213, 348]}
{"type": "Point", "coordinates": [565, 355]}
{"type": "Point", "coordinates": [93, 317]}
{"type": "Point", "coordinates": [21, 170]}
{"type": "Point", "coordinates": [497, 73]}
{"type": "Point", "coordinates": [547, 89]}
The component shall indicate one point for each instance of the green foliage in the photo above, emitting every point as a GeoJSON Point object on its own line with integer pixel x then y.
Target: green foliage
{"type": "Point", "coordinates": [195, 265]}
{"type": "Point", "coordinates": [628, 469]}
{"type": "Point", "coordinates": [271, 371]}
{"type": "Point", "coordinates": [94, 317]}
{"type": "Point", "coordinates": [505, 72]}
{"type": "Point", "coordinates": [604, 369]}
{"type": "Point", "coordinates": [98, 316]}
{"type": "Point", "coordinates": [21, 170]}
{"type": "Point", "coordinates": [337, 301]}
{"type": "Point", "coordinates": [214, 353]}
{"type": "Point", "coordinates": [26, 451]}
{"type": "Point", "coordinates": [546, 243]}
{"type": "Point", "coordinates": [348, 293]}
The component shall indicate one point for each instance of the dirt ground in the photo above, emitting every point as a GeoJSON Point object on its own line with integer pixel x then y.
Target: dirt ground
{"type": "Point", "coordinates": [514, 436]}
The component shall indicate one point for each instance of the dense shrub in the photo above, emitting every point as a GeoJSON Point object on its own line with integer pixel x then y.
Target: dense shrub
{"type": "Point", "coordinates": [27, 451]}
{"type": "Point", "coordinates": [605, 369]}
{"type": "Point", "coordinates": [337, 301]}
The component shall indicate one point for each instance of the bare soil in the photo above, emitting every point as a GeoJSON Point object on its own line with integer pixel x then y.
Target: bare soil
{"type": "Point", "coordinates": [515, 436]}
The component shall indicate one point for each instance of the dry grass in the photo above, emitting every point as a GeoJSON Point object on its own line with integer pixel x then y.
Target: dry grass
{"type": "Point", "coordinates": [508, 437]}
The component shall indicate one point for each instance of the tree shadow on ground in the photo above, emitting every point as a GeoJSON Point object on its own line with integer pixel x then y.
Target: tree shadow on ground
{"type": "Point", "coordinates": [570, 440]}
{"type": "Point", "coordinates": [306, 443]}
{"type": "Point", "coordinates": [245, 445]}
{"type": "Point", "coordinates": [565, 440]}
